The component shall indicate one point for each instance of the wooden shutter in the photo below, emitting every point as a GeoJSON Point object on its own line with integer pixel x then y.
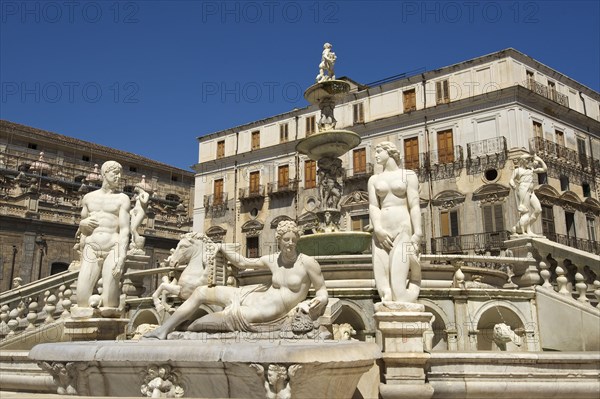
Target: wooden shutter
{"type": "Point", "coordinates": [310, 125]}
{"type": "Point", "coordinates": [256, 140]}
{"type": "Point", "coordinates": [445, 146]}
{"type": "Point", "coordinates": [283, 133]}
{"type": "Point", "coordinates": [444, 224]}
{"type": "Point", "coordinates": [254, 182]}
{"type": "Point", "coordinates": [221, 149]}
{"type": "Point", "coordinates": [283, 176]}
{"type": "Point", "coordinates": [410, 100]}
{"type": "Point", "coordinates": [411, 153]}
{"type": "Point", "coordinates": [310, 174]}
{"type": "Point", "coordinates": [359, 115]}
{"type": "Point", "coordinates": [218, 192]}
{"type": "Point", "coordinates": [493, 218]}
{"type": "Point", "coordinates": [359, 160]}
{"type": "Point", "coordinates": [548, 221]}
{"type": "Point", "coordinates": [537, 129]}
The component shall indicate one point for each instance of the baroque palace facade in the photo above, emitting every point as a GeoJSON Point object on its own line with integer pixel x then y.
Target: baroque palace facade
{"type": "Point", "coordinates": [43, 177]}
{"type": "Point", "coordinates": [461, 128]}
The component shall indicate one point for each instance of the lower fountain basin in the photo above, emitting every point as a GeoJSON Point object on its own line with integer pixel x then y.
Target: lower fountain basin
{"type": "Point", "coordinates": [336, 243]}
{"type": "Point", "coordinates": [207, 368]}
{"type": "Point", "coordinates": [328, 144]}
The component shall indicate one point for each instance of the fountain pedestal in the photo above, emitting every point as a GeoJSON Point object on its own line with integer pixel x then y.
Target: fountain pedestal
{"type": "Point", "coordinates": [402, 329]}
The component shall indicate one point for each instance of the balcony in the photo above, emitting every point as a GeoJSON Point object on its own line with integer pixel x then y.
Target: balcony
{"type": "Point", "coordinates": [559, 156]}
{"type": "Point", "coordinates": [281, 189]}
{"type": "Point", "coordinates": [548, 92]}
{"type": "Point", "coordinates": [359, 173]}
{"type": "Point", "coordinates": [574, 242]}
{"type": "Point", "coordinates": [215, 202]}
{"type": "Point", "coordinates": [251, 192]}
{"type": "Point", "coordinates": [479, 243]}
{"type": "Point", "coordinates": [484, 154]}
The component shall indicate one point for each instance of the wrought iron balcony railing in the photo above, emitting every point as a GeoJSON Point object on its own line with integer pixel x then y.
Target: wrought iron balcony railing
{"type": "Point", "coordinates": [277, 188]}
{"type": "Point", "coordinates": [574, 242]}
{"type": "Point", "coordinates": [215, 200]}
{"type": "Point", "coordinates": [547, 92]}
{"type": "Point", "coordinates": [477, 243]}
{"type": "Point", "coordinates": [555, 151]}
{"type": "Point", "coordinates": [483, 148]}
{"type": "Point", "coordinates": [252, 192]}
{"type": "Point", "coordinates": [360, 173]}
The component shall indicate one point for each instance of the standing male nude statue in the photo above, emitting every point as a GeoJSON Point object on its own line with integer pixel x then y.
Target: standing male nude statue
{"type": "Point", "coordinates": [105, 228]}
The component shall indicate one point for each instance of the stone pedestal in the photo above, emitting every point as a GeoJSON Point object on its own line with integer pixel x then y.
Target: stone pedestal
{"type": "Point", "coordinates": [133, 285]}
{"type": "Point", "coordinates": [401, 335]}
{"type": "Point", "coordinates": [95, 324]}
{"type": "Point", "coordinates": [526, 273]}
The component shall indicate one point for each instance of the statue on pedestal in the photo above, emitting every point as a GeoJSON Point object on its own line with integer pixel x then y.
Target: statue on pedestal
{"type": "Point", "coordinates": [527, 202]}
{"type": "Point", "coordinates": [327, 62]}
{"type": "Point", "coordinates": [104, 229]}
{"type": "Point", "coordinates": [395, 215]}
{"type": "Point", "coordinates": [251, 308]}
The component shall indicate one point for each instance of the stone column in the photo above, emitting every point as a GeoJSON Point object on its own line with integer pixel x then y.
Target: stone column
{"type": "Point", "coordinates": [526, 273]}
{"type": "Point", "coordinates": [401, 337]}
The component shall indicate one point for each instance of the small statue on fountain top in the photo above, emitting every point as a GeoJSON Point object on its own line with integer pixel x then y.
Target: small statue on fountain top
{"type": "Point", "coordinates": [327, 62]}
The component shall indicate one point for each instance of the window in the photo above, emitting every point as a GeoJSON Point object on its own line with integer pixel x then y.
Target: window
{"type": "Point", "coordinates": [359, 222]}
{"type": "Point", "coordinates": [570, 221]}
{"type": "Point", "coordinates": [310, 174]}
{"type": "Point", "coordinates": [442, 92]}
{"type": "Point", "coordinates": [256, 140]}
{"type": "Point", "coordinates": [252, 247]}
{"type": "Point", "coordinates": [445, 146]}
{"type": "Point", "coordinates": [552, 90]}
{"type": "Point", "coordinates": [174, 178]}
{"type": "Point", "coordinates": [530, 80]}
{"type": "Point", "coordinates": [283, 176]}
{"type": "Point", "coordinates": [358, 113]}
{"type": "Point", "coordinates": [359, 160]}
{"type": "Point", "coordinates": [591, 228]}
{"type": "Point", "coordinates": [564, 182]}
{"type": "Point", "coordinates": [411, 153]}
{"type": "Point", "coordinates": [254, 182]}
{"type": "Point", "coordinates": [581, 149]}
{"type": "Point", "coordinates": [32, 146]}
{"type": "Point", "coordinates": [449, 223]}
{"type": "Point", "coordinates": [409, 100]}
{"type": "Point", "coordinates": [493, 218]}
{"type": "Point", "coordinates": [220, 149]}
{"type": "Point", "coordinates": [218, 192]}
{"type": "Point", "coordinates": [283, 133]}
{"type": "Point", "coordinates": [310, 125]}
{"type": "Point", "coordinates": [542, 178]}
{"type": "Point", "coordinates": [85, 158]}
{"type": "Point", "coordinates": [133, 169]}
{"type": "Point", "coordinates": [548, 221]}
{"type": "Point", "coordinates": [559, 137]}
{"type": "Point", "coordinates": [587, 191]}
{"type": "Point", "coordinates": [537, 129]}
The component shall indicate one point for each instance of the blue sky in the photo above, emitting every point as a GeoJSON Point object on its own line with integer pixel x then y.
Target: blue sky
{"type": "Point", "coordinates": [150, 76]}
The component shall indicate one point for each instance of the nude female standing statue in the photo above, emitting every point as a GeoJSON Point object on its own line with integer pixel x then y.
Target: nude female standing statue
{"type": "Point", "coordinates": [395, 215]}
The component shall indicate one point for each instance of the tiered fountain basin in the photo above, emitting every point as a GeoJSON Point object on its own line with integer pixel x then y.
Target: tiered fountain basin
{"type": "Point", "coordinates": [328, 144]}
{"type": "Point", "coordinates": [336, 243]}
{"type": "Point", "coordinates": [214, 368]}
{"type": "Point", "coordinates": [329, 88]}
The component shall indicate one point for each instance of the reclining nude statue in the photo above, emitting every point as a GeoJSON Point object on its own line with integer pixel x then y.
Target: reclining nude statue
{"type": "Point", "coordinates": [199, 253]}
{"type": "Point", "coordinates": [257, 308]}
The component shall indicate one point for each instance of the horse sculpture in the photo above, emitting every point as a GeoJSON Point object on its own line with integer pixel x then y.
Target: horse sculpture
{"type": "Point", "coordinates": [205, 266]}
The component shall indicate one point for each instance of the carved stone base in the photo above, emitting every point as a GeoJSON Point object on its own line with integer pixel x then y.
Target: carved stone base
{"type": "Point", "coordinates": [401, 335]}
{"type": "Point", "coordinates": [526, 275]}
{"type": "Point", "coordinates": [94, 329]}
{"type": "Point", "coordinates": [272, 369]}
{"type": "Point", "coordinates": [133, 285]}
